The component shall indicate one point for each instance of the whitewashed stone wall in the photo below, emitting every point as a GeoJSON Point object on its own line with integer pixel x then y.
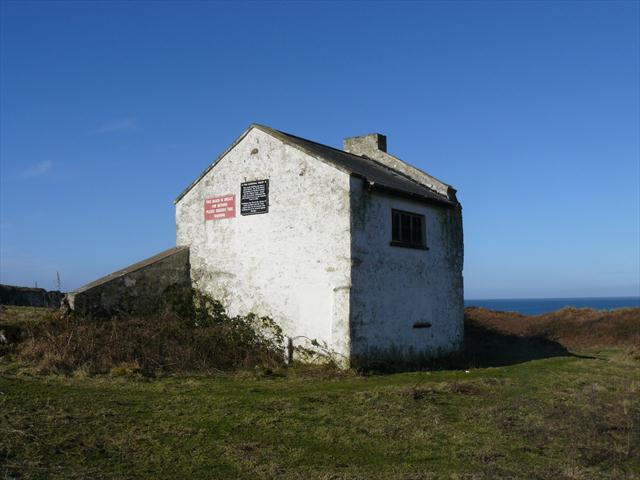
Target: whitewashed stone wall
{"type": "Point", "coordinates": [395, 287]}
{"type": "Point", "coordinates": [320, 262]}
{"type": "Point", "coordinates": [293, 263]}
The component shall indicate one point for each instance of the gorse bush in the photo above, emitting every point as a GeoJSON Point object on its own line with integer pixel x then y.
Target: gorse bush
{"type": "Point", "coordinates": [189, 331]}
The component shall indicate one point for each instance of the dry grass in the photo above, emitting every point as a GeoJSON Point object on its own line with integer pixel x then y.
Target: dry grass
{"type": "Point", "coordinates": [573, 328]}
{"type": "Point", "coordinates": [205, 340]}
{"type": "Point", "coordinates": [146, 345]}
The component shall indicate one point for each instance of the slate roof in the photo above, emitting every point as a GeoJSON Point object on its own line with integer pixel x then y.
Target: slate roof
{"type": "Point", "coordinates": [377, 175]}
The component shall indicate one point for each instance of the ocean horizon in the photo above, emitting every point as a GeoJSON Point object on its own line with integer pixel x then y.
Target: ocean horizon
{"type": "Point", "coordinates": [538, 306]}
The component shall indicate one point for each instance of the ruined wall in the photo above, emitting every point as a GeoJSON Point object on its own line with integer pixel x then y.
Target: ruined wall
{"type": "Point", "coordinates": [29, 297]}
{"type": "Point", "coordinates": [395, 288]}
{"type": "Point", "coordinates": [138, 288]}
{"type": "Point", "coordinates": [292, 263]}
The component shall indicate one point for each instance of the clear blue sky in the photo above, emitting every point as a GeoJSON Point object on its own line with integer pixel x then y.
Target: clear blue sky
{"type": "Point", "coordinates": [531, 110]}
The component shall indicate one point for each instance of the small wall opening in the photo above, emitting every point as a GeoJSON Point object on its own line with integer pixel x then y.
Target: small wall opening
{"type": "Point", "coordinates": [422, 325]}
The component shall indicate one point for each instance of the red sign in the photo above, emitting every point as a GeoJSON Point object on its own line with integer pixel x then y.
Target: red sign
{"type": "Point", "coordinates": [217, 208]}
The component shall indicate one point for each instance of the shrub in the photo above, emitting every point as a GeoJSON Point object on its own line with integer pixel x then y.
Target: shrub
{"type": "Point", "coordinates": [190, 331]}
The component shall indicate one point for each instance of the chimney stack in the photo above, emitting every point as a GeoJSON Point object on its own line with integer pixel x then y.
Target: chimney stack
{"type": "Point", "coordinates": [374, 146]}
{"type": "Point", "coordinates": [370, 145]}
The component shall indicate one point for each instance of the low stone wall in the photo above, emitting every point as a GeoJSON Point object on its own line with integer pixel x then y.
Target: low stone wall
{"type": "Point", "coordinates": [138, 288]}
{"type": "Point", "coordinates": [29, 297]}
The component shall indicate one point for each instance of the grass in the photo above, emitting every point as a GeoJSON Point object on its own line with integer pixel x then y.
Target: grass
{"type": "Point", "coordinates": [194, 334]}
{"type": "Point", "coordinates": [560, 417]}
{"type": "Point", "coordinates": [11, 316]}
{"type": "Point", "coordinates": [573, 328]}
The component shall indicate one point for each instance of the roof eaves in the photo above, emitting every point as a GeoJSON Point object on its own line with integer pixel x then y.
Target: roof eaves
{"type": "Point", "coordinates": [411, 179]}
{"type": "Point", "coordinates": [421, 171]}
{"type": "Point", "coordinates": [379, 187]}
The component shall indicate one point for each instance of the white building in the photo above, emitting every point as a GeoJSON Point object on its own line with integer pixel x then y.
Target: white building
{"type": "Point", "coordinates": [354, 249]}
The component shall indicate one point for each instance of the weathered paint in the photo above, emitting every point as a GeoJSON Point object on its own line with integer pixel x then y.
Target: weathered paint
{"type": "Point", "coordinates": [320, 261]}
{"type": "Point", "coordinates": [292, 263]}
{"type": "Point", "coordinates": [317, 256]}
{"type": "Point", "coordinates": [395, 288]}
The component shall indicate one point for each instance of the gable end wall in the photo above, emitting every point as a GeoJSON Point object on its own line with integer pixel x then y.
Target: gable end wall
{"type": "Point", "coordinates": [293, 263]}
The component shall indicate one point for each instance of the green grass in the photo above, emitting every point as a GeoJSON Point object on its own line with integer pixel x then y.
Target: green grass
{"type": "Point", "coordinates": [16, 316]}
{"type": "Point", "coordinates": [543, 414]}
{"type": "Point", "coordinates": [555, 418]}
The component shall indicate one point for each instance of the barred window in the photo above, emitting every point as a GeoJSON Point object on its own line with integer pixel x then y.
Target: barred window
{"type": "Point", "coordinates": [407, 229]}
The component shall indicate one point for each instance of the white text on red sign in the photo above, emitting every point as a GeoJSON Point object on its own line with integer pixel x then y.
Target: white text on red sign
{"type": "Point", "coordinates": [217, 208]}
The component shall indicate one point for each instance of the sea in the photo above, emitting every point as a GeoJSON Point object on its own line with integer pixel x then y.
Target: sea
{"type": "Point", "coordinates": [538, 306]}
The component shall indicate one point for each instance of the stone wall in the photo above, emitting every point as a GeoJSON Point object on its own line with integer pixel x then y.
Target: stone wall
{"type": "Point", "coordinates": [320, 261]}
{"type": "Point", "coordinates": [406, 304]}
{"type": "Point", "coordinates": [29, 297]}
{"type": "Point", "coordinates": [138, 288]}
{"type": "Point", "coordinates": [292, 263]}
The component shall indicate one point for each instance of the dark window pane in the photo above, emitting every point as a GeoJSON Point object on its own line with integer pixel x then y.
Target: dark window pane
{"type": "Point", "coordinates": [407, 228]}
{"type": "Point", "coordinates": [395, 226]}
{"type": "Point", "coordinates": [416, 230]}
{"type": "Point", "coordinates": [405, 232]}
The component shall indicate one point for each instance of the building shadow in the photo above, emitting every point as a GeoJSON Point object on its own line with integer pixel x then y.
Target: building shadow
{"type": "Point", "coordinates": [488, 347]}
{"type": "Point", "coordinates": [484, 347]}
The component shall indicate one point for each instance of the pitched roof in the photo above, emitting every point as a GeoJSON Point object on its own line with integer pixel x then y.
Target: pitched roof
{"type": "Point", "coordinates": [377, 175]}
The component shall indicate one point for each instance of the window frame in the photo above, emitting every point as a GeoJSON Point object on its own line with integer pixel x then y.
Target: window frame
{"type": "Point", "coordinates": [398, 241]}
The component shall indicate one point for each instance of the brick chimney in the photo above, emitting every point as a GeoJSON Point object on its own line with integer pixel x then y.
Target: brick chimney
{"type": "Point", "coordinates": [371, 145]}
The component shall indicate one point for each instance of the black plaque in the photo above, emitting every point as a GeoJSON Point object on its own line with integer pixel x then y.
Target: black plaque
{"type": "Point", "coordinates": [254, 197]}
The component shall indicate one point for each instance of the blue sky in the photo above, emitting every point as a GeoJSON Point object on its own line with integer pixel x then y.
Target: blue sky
{"type": "Point", "coordinates": [530, 109]}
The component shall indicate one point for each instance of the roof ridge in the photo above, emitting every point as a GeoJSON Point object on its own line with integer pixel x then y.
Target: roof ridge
{"type": "Point", "coordinates": [304, 139]}
{"type": "Point", "coordinates": [397, 172]}
{"type": "Point", "coordinates": [362, 166]}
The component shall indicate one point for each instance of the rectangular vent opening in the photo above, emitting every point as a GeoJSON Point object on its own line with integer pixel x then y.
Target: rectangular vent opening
{"type": "Point", "coordinates": [422, 325]}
